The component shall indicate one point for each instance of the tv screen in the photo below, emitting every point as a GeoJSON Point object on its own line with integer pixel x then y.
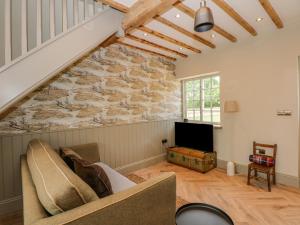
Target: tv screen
{"type": "Point", "coordinates": [193, 135]}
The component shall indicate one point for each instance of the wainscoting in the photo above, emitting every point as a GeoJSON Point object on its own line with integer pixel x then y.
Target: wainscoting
{"type": "Point", "coordinates": [123, 147]}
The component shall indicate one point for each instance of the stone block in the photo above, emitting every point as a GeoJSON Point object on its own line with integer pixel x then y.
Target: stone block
{"type": "Point", "coordinates": [46, 114]}
{"type": "Point", "coordinates": [116, 68]}
{"type": "Point", "coordinates": [88, 96]}
{"type": "Point", "coordinates": [89, 111]}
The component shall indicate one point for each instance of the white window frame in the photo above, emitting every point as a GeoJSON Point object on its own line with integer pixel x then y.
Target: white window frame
{"type": "Point", "coordinates": [199, 77]}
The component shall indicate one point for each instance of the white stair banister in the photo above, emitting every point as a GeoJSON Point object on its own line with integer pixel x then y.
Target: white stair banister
{"type": "Point", "coordinates": [38, 22]}
{"type": "Point", "coordinates": [19, 77]}
{"type": "Point", "coordinates": [58, 17]}
{"type": "Point", "coordinates": [7, 31]}
{"type": "Point", "coordinates": [27, 25]}
{"type": "Point", "coordinates": [2, 35]}
{"type": "Point", "coordinates": [76, 18]}
{"type": "Point", "coordinates": [52, 19]}
{"type": "Point", "coordinates": [24, 27]}
{"type": "Point", "coordinates": [65, 15]}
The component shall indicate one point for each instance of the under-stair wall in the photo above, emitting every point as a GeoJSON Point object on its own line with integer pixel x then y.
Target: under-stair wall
{"type": "Point", "coordinates": [32, 50]}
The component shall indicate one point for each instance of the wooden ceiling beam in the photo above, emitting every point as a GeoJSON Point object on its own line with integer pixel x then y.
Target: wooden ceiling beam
{"type": "Point", "coordinates": [224, 33]}
{"type": "Point", "coordinates": [234, 15]}
{"type": "Point", "coordinates": [184, 31]}
{"type": "Point", "coordinates": [125, 9]}
{"type": "Point", "coordinates": [169, 39]}
{"type": "Point", "coordinates": [272, 13]}
{"type": "Point", "coordinates": [145, 50]}
{"type": "Point", "coordinates": [115, 5]}
{"type": "Point", "coordinates": [143, 41]}
{"type": "Point", "coordinates": [109, 41]}
{"type": "Point", "coordinates": [143, 11]}
{"type": "Point", "coordinates": [190, 12]}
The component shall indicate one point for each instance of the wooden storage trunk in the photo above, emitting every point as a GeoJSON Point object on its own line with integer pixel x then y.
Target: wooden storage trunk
{"type": "Point", "coordinates": [193, 159]}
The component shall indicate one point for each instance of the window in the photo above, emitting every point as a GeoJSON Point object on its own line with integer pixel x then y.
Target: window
{"type": "Point", "coordinates": [201, 101]}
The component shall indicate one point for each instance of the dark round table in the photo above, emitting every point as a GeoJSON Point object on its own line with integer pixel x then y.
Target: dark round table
{"type": "Point", "coordinates": [201, 214]}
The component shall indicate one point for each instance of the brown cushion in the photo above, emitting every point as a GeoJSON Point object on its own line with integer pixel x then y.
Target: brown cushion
{"type": "Point", "coordinates": [59, 189]}
{"type": "Point", "coordinates": [66, 154]}
{"type": "Point", "coordinates": [92, 174]}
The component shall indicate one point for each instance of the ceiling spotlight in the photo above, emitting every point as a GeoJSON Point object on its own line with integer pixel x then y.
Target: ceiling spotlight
{"type": "Point", "coordinates": [259, 19]}
{"type": "Point", "coordinates": [213, 35]}
{"type": "Point", "coordinates": [204, 20]}
{"type": "Point", "coordinates": [180, 48]}
{"type": "Point", "coordinates": [177, 15]}
{"type": "Point", "coordinates": [145, 34]}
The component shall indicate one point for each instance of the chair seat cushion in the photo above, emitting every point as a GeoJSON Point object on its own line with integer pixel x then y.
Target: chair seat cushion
{"type": "Point", "coordinates": [262, 160]}
{"type": "Point", "coordinates": [59, 189]}
{"type": "Point", "coordinates": [118, 181]}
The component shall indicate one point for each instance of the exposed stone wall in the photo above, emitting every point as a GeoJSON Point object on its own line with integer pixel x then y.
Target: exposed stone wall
{"type": "Point", "coordinates": [111, 86]}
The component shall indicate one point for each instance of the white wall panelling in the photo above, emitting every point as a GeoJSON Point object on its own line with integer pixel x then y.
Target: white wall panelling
{"type": "Point", "coordinates": [119, 147]}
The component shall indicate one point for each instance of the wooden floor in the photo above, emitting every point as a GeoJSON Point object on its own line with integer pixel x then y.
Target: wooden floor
{"type": "Point", "coordinates": [246, 205]}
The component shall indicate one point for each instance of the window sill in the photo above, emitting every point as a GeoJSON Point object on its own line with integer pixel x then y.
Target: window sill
{"type": "Point", "coordinates": [219, 127]}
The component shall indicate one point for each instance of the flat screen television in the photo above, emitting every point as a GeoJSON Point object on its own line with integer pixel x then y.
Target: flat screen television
{"type": "Point", "coordinates": [194, 135]}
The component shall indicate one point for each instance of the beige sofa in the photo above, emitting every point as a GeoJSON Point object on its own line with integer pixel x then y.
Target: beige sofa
{"type": "Point", "coordinates": [152, 202]}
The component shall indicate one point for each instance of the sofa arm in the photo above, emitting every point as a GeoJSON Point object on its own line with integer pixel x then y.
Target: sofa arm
{"type": "Point", "coordinates": [150, 203]}
{"type": "Point", "coordinates": [32, 208]}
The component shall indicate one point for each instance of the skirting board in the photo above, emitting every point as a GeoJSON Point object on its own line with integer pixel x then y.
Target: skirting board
{"type": "Point", "coordinates": [141, 164]}
{"type": "Point", "coordinates": [281, 178]}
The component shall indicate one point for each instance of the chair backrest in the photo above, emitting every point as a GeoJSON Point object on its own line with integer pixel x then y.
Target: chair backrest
{"type": "Point", "coordinates": [259, 149]}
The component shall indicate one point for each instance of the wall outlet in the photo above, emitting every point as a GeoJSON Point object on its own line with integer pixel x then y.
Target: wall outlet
{"type": "Point", "coordinates": [164, 141]}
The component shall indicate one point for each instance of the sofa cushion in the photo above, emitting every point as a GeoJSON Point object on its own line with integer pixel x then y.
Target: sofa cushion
{"type": "Point", "coordinates": [92, 174]}
{"type": "Point", "coordinates": [58, 188]}
{"type": "Point", "coordinates": [67, 154]}
{"type": "Point", "coordinates": [262, 160]}
{"type": "Point", "coordinates": [118, 181]}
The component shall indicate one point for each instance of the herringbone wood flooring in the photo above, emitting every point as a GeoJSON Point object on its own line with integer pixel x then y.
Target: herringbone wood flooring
{"type": "Point", "coordinates": [246, 205]}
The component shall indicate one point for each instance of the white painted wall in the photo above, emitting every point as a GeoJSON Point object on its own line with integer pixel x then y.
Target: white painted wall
{"type": "Point", "coordinates": [262, 75]}
{"type": "Point", "coordinates": [42, 64]}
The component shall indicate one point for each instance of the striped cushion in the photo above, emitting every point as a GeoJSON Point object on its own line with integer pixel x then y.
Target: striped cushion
{"type": "Point", "coordinates": [58, 188]}
{"type": "Point", "coordinates": [262, 160]}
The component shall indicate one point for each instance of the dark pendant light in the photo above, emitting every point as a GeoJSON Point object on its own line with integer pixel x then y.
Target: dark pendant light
{"type": "Point", "coordinates": [204, 20]}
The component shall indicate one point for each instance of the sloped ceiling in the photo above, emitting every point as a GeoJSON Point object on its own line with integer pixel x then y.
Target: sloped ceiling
{"type": "Point", "coordinates": [287, 10]}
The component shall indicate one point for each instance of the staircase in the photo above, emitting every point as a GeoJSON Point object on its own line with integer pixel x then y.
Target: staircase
{"type": "Point", "coordinates": [38, 38]}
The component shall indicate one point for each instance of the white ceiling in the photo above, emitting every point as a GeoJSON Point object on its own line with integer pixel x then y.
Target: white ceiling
{"type": "Point", "coordinates": [288, 10]}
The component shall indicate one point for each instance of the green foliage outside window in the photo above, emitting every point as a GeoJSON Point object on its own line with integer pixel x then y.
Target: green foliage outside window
{"type": "Point", "coordinates": [209, 90]}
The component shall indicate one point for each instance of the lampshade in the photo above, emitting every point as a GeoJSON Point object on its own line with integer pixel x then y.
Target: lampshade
{"type": "Point", "coordinates": [204, 20]}
{"type": "Point", "coordinates": [231, 106]}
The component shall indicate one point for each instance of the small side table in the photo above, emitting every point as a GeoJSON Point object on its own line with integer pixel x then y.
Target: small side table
{"type": "Point", "coordinates": [201, 214]}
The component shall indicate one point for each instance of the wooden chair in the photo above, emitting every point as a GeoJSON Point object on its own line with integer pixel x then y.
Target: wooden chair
{"type": "Point", "coordinates": [269, 170]}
